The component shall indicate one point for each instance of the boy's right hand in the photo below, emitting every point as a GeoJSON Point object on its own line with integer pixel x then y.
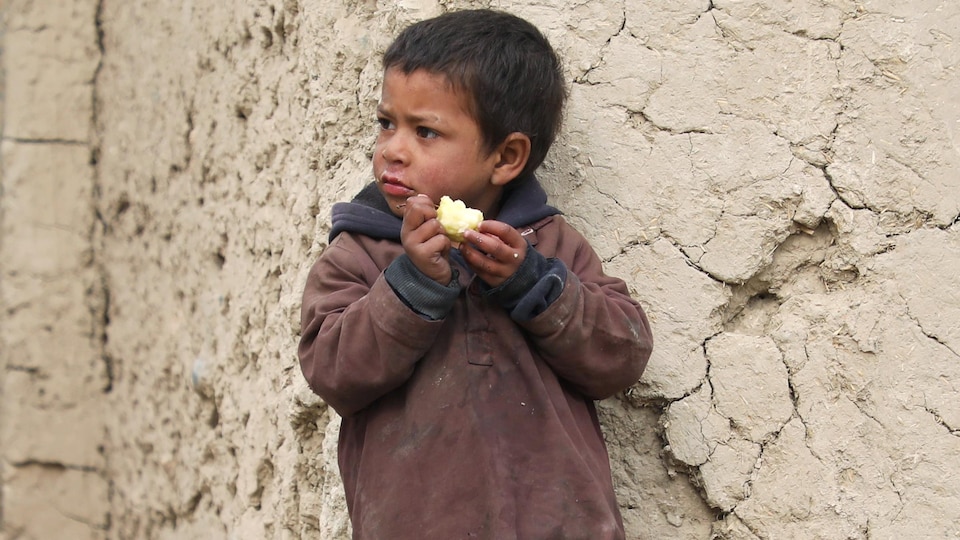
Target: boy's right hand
{"type": "Point", "coordinates": [423, 239]}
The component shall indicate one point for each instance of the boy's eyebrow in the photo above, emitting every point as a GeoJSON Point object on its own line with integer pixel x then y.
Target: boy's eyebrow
{"type": "Point", "coordinates": [412, 118]}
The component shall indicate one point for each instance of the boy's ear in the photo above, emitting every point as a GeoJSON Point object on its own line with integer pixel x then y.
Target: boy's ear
{"type": "Point", "coordinates": [514, 152]}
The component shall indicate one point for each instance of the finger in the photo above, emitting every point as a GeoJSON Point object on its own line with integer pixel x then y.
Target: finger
{"type": "Point", "coordinates": [428, 231]}
{"type": "Point", "coordinates": [505, 233]}
{"type": "Point", "coordinates": [490, 271]}
{"type": "Point", "coordinates": [495, 248]}
{"type": "Point", "coordinates": [491, 265]}
{"type": "Point", "coordinates": [417, 211]}
{"type": "Point", "coordinates": [438, 243]}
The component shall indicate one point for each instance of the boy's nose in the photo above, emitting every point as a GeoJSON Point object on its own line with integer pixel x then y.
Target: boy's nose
{"type": "Point", "coordinates": [395, 149]}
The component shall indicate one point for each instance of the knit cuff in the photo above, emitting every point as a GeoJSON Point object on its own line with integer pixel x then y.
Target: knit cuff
{"type": "Point", "coordinates": [420, 293]}
{"type": "Point", "coordinates": [532, 288]}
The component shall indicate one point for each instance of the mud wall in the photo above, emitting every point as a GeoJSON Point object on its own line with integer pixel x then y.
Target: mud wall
{"type": "Point", "coordinates": [54, 379]}
{"type": "Point", "coordinates": [777, 181]}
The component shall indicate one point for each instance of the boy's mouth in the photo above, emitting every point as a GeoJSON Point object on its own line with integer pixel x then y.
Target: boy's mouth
{"type": "Point", "coordinates": [392, 186]}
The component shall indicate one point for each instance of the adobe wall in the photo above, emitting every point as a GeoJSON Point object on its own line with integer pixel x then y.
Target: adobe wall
{"type": "Point", "coordinates": [777, 182]}
{"type": "Point", "coordinates": [52, 291]}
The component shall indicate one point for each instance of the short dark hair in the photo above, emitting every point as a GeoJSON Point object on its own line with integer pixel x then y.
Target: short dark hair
{"type": "Point", "coordinates": [507, 67]}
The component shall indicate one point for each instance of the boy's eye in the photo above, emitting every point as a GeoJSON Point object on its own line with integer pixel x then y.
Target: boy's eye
{"type": "Point", "coordinates": [426, 133]}
{"type": "Point", "coordinates": [385, 123]}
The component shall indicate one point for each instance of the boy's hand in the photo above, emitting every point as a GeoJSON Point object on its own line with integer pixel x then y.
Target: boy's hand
{"type": "Point", "coordinates": [422, 238]}
{"type": "Point", "coordinates": [494, 251]}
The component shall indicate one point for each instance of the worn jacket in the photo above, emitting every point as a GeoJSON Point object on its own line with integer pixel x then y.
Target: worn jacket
{"type": "Point", "coordinates": [468, 411]}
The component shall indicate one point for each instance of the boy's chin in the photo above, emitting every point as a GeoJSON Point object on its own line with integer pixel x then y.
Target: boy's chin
{"type": "Point", "coordinates": [395, 204]}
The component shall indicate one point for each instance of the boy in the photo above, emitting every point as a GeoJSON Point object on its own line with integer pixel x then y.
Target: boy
{"type": "Point", "coordinates": [466, 374]}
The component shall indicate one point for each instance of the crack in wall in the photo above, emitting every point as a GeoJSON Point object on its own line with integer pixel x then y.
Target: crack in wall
{"type": "Point", "coordinates": [54, 465]}
{"type": "Point", "coordinates": [645, 119]}
{"type": "Point", "coordinates": [756, 288]}
{"type": "Point", "coordinates": [102, 276]}
{"type": "Point", "coordinates": [25, 140]}
{"type": "Point", "coordinates": [100, 312]}
{"type": "Point", "coordinates": [955, 431]}
{"type": "Point", "coordinates": [582, 78]}
{"type": "Point", "coordinates": [933, 337]}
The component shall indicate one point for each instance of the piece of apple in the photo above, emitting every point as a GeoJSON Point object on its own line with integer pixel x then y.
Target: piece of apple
{"type": "Point", "coordinates": [456, 218]}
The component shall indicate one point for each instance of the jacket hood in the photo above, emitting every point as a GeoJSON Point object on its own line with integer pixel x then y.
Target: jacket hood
{"type": "Point", "coordinates": [524, 202]}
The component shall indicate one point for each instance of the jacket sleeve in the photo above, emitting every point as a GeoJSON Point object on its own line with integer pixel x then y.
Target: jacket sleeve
{"type": "Point", "coordinates": [594, 335]}
{"type": "Point", "coordinates": [358, 339]}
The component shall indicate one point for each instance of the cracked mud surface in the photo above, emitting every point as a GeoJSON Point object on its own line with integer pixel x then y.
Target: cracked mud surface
{"type": "Point", "coordinates": [777, 182]}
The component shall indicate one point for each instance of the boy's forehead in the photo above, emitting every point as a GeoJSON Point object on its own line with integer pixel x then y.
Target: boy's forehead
{"type": "Point", "coordinates": [425, 88]}
{"type": "Point", "coordinates": [421, 76]}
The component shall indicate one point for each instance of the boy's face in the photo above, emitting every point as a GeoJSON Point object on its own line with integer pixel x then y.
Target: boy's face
{"type": "Point", "coordinates": [429, 143]}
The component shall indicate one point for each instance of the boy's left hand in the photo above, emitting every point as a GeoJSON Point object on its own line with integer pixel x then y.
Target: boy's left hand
{"type": "Point", "coordinates": [494, 251]}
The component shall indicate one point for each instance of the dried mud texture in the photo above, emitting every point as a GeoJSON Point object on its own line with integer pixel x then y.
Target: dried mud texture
{"type": "Point", "coordinates": [52, 300]}
{"type": "Point", "coordinates": [777, 182]}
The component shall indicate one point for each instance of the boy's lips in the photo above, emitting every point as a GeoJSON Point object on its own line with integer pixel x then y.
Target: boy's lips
{"type": "Point", "coordinates": [393, 187]}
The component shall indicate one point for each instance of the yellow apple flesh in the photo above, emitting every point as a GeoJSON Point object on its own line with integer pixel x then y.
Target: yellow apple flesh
{"type": "Point", "coordinates": [456, 218]}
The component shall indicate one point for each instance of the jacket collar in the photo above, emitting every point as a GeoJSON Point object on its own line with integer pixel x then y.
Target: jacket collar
{"type": "Point", "coordinates": [524, 202]}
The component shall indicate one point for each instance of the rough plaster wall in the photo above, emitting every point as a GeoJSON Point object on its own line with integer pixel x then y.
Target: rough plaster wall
{"type": "Point", "coordinates": [51, 295]}
{"type": "Point", "coordinates": [777, 181]}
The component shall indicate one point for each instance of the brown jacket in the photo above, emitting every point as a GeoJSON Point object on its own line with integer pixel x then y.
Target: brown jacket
{"type": "Point", "coordinates": [475, 425]}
